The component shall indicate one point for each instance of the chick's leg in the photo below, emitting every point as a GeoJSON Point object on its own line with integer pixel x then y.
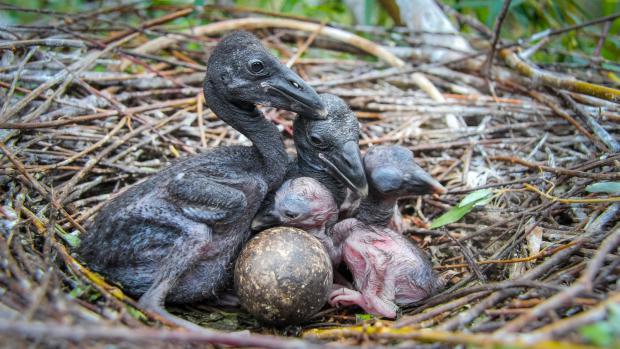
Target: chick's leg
{"type": "Point", "coordinates": [188, 248]}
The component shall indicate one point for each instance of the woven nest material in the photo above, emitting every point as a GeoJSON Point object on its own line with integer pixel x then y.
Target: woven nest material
{"type": "Point", "coordinates": [83, 116]}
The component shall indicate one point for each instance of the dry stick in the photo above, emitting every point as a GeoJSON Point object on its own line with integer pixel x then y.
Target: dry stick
{"type": "Point", "coordinates": [97, 116]}
{"type": "Point", "coordinates": [556, 109]}
{"type": "Point", "coordinates": [470, 260]}
{"type": "Point", "coordinates": [540, 76]}
{"type": "Point", "coordinates": [598, 130]}
{"type": "Point", "coordinates": [557, 170]}
{"type": "Point", "coordinates": [563, 326]}
{"type": "Point", "coordinates": [88, 150]}
{"type": "Point", "coordinates": [442, 308]}
{"type": "Point", "coordinates": [544, 253]}
{"type": "Point", "coordinates": [470, 294]}
{"type": "Point", "coordinates": [291, 62]}
{"type": "Point", "coordinates": [38, 186]}
{"type": "Point", "coordinates": [5, 45]}
{"type": "Point", "coordinates": [571, 200]}
{"type": "Point", "coordinates": [427, 86]}
{"type": "Point", "coordinates": [565, 297]}
{"type": "Point", "coordinates": [601, 41]}
{"type": "Point", "coordinates": [149, 24]}
{"type": "Point", "coordinates": [609, 18]}
{"type": "Point", "coordinates": [67, 187]}
{"type": "Point", "coordinates": [9, 95]}
{"type": "Point", "coordinates": [57, 331]}
{"type": "Point", "coordinates": [201, 123]}
{"type": "Point", "coordinates": [75, 68]}
{"type": "Point", "coordinates": [260, 23]}
{"type": "Point", "coordinates": [496, 297]}
{"type": "Point", "coordinates": [488, 62]}
{"type": "Point", "coordinates": [433, 335]}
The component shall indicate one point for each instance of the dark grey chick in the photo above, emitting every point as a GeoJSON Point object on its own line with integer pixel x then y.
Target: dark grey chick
{"type": "Point", "coordinates": [173, 237]}
{"type": "Point", "coordinates": [328, 151]}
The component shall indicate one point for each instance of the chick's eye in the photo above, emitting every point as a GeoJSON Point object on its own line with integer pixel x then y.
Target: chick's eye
{"type": "Point", "coordinates": [256, 66]}
{"type": "Point", "coordinates": [316, 140]}
{"type": "Point", "coordinates": [291, 214]}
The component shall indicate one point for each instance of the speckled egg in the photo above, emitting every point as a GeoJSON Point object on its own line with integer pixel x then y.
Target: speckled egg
{"type": "Point", "coordinates": [283, 276]}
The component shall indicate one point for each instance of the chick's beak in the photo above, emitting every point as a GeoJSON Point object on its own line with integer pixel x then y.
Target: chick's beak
{"type": "Point", "coordinates": [347, 166]}
{"type": "Point", "coordinates": [264, 220]}
{"type": "Point", "coordinates": [424, 183]}
{"type": "Point", "coordinates": [302, 98]}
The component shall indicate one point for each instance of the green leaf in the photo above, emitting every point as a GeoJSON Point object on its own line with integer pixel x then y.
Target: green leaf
{"type": "Point", "coordinates": [614, 319]}
{"type": "Point", "coordinates": [475, 197]}
{"type": "Point", "coordinates": [359, 318]}
{"type": "Point", "coordinates": [599, 334]}
{"type": "Point", "coordinates": [604, 187]}
{"type": "Point", "coordinates": [288, 6]}
{"type": "Point", "coordinates": [455, 213]}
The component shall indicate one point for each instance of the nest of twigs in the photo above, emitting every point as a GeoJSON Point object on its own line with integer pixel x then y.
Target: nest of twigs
{"type": "Point", "coordinates": [85, 114]}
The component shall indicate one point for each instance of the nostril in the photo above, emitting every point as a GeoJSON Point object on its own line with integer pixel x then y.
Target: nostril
{"type": "Point", "coordinates": [296, 84]}
{"type": "Point", "coordinates": [291, 214]}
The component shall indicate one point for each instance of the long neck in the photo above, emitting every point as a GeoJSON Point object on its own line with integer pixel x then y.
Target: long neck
{"type": "Point", "coordinates": [265, 137]}
{"type": "Point", "coordinates": [376, 210]}
{"type": "Point", "coordinates": [305, 169]}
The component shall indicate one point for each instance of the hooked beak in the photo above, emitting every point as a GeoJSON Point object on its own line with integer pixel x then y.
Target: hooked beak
{"type": "Point", "coordinates": [264, 220]}
{"type": "Point", "coordinates": [304, 100]}
{"type": "Point", "coordinates": [348, 167]}
{"type": "Point", "coordinates": [424, 183]}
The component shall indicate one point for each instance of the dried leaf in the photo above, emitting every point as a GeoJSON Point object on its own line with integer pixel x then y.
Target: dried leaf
{"type": "Point", "coordinates": [534, 240]}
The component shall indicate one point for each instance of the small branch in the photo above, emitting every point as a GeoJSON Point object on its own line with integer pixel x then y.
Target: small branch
{"type": "Point", "coordinates": [305, 46]}
{"type": "Point", "coordinates": [97, 116]}
{"type": "Point", "coordinates": [488, 63]}
{"type": "Point", "coordinates": [601, 40]}
{"type": "Point", "coordinates": [557, 170]}
{"type": "Point", "coordinates": [565, 297]}
{"type": "Point", "coordinates": [539, 76]}
{"type": "Point", "coordinates": [563, 326]}
{"type": "Point", "coordinates": [149, 24]}
{"type": "Point", "coordinates": [46, 193]}
{"type": "Point", "coordinates": [79, 334]}
{"type": "Point", "coordinates": [544, 253]}
{"type": "Point", "coordinates": [432, 335]}
{"type": "Point", "coordinates": [470, 260]}
{"type": "Point", "coordinates": [260, 23]}
{"type": "Point", "coordinates": [11, 45]}
{"type": "Point", "coordinates": [598, 130]}
{"type": "Point", "coordinates": [548, 33]}
{"type": "Point", "coordinates": [572, 200]}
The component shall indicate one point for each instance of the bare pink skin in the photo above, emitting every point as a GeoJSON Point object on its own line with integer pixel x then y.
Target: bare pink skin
{"type": "Point", "coordinates": [388, 269]}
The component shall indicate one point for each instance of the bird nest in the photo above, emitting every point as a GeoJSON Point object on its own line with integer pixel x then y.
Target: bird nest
{"type": "Point", "coordinates": [87, 111]}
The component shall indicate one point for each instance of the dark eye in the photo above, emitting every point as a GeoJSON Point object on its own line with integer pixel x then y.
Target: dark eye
{"type": "Point", "coordinates": [316, 140]}
{"type": "Point", "coordinates": [296, 85]}
{"type": "Point", "coordinates": [256, 66]}
{"type": "Point", "coordinates": [291, 214]}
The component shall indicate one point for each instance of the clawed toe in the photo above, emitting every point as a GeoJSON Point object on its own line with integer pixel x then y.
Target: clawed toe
{"type": "Point", "coordinates": [159, 313]}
